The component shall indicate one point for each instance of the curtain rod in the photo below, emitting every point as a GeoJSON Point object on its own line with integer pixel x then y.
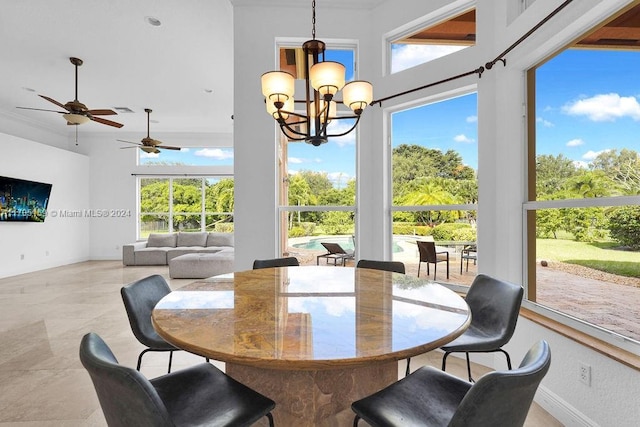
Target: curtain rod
{"type": "Point", "coordinates": [487, 66]}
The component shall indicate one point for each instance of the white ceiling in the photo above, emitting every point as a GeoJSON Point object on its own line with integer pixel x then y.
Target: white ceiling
{"type": "Point", "coordinates": [127, 62]}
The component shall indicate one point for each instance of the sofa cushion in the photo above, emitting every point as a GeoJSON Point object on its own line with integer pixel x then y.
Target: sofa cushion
{"type": "Point", "coordinates": [192, 239]}
{"type": "Point", "coordinates": [161, 240]}
{"type": "Point", "coordinates": [151, 256]}
{"type": "Point", "coordinates": [220, 239]}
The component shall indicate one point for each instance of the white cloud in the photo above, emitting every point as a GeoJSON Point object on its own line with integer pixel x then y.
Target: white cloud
{"type": "Point", "coordinates": [575, 142]}
{"type": "Point", "coordinates": [341, 126]}
{"type": "Point", "coordinates": [463, 138]}
{"type": "Point", "coordinates": [339, 179]}
{"type": "Point", "coordinates": [410, 55]}
{"type": "Point", "coordinates": [605, 107]}
{"type": "Point", "coordinates": [215, 153]}
{"type": "Point", "coordinates": [295, 160]}
{"type": "Point", "coordinates": [145, 155]}
{"type": "Point", "coordinates": [472, 119]}
{"type": "Point", "coordinates": [580, 164]}
{"type": "Point", "coordinates": [544, 122]}
{"type": "Point", "coordinates": [590, 155]}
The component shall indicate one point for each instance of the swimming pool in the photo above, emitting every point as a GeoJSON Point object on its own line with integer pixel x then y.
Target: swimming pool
{"type": "Point", "coordinates": [346, 242]}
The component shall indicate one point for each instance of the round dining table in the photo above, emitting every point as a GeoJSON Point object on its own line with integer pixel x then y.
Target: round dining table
{"type": "Point", "coordinates": [312, 338]}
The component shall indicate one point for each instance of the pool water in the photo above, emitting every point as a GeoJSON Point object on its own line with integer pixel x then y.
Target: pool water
{"type": "Point", "coordinates": [345, 242]}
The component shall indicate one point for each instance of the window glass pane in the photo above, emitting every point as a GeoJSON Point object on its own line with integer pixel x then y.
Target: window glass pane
{"type": "Point", "coordinates": [588, 264]}
{"type": "Point", "coordinates": [154, 206]}
{"type": "Point", "coordinates": [435, 153]}
{"type": "Point", "coordinates": [587, 116]}
{"type": "Point", "coordinates": [219, 204]}
{"type": "Point", "coordinates": [434, 42]}
{"type": "Point", "coordinates": [194, 156]}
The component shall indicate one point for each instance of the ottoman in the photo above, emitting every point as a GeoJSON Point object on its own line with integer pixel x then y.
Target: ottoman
{"type": "Point", "coordinates": [201, 265]}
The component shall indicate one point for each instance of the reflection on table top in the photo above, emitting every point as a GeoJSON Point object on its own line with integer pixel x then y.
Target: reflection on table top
{"type": "Point", "coordinates": [311, 317]}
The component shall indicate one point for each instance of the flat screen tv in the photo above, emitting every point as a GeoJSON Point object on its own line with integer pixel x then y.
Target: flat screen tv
{"type": "Point", "coordinates": [22, 200]}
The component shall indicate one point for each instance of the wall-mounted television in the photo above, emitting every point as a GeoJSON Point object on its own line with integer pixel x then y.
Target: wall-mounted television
{"type": "Point", "coordinates": [22, 200]}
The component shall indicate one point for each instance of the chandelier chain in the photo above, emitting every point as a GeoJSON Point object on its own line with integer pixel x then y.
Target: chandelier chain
{"type": "Point", "coordinates": [313, 19]}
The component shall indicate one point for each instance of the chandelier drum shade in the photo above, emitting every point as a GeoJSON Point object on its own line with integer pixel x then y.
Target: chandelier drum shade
{"type": "Point", "coordinates": [323, 80]}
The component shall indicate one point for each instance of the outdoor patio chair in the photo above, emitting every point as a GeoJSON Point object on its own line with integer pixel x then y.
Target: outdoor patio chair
{"type": "Point", "coordinates": [335, 253]}
{"type": "Point", "coordinates": [469, 252]}
{"type": "Point", "coordinates": [276, 262]}
{"type": "Point", "coordinates": [429, 255]}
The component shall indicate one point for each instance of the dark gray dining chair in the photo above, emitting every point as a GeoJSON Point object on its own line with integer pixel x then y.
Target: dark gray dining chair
{"type": "Point", "coordinates": [495, 306]}
{"type": "Point", "coordinates": [196, 396]}
{"type": "Point", "coordinates": [276, 262]}
{"type": "Point", "coordinates": [393, 266]}
{"type": "Point", "coordinates": [140, 297]}
{"type": "Point", "coordinates": [428, 254]}
{"type": "Point", "coordinates": [430, 397]}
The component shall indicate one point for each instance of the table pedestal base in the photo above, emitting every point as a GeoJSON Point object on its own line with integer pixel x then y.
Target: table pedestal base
{"type": "Point", "coordinates": [315, 398]}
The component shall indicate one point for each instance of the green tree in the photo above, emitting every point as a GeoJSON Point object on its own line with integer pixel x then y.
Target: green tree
{"type": "Point", "coordinates": [591, 184]}
{"type": "Point", "coordinates": [624, 226]}
{"type": "Point", "coordinates": [552, 172]}
{"type": "Point", "coordinates": [623, 168]}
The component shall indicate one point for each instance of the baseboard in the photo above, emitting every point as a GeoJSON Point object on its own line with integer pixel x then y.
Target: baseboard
{"type": "Point", "coordinates": [561, 410]}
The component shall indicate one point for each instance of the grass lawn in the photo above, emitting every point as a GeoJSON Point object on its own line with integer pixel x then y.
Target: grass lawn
{"type": "Point", "coordinates": [601, 256]}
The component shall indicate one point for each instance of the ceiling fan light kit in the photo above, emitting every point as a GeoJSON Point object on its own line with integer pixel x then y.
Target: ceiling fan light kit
{"type": "Point", "coordinates": [148, 144]}
{"type": "Point", "coordinates": [323, 79]}
{"type": "Point", "coordinates": [76, 113]}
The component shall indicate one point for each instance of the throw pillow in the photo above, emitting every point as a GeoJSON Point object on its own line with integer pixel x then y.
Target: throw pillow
{"type": "Point", "coordinates": [161, 240]}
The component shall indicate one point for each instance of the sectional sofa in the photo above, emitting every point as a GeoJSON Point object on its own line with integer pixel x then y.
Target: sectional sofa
{"type": "Point", "coordinates": [161, 248]}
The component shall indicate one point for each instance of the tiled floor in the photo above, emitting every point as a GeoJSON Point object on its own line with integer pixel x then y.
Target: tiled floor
{"type": "Point", "coordinates": [45, 314]}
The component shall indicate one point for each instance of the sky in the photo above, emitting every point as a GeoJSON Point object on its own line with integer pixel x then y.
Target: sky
{"type": "Point", "coordinates": [587, 102]}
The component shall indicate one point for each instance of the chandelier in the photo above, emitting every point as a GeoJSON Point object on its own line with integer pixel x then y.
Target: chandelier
{"type": "Point", "coordinates": [323, 80]}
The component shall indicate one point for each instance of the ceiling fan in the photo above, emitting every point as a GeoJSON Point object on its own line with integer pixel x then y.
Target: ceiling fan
{"type": "Point", "coordinates": [148, 144]}
{"type": "Point", "coordinates": [76, 113]}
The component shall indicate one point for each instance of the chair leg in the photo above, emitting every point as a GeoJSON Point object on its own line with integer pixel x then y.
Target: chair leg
{"type": "Point", "coordinates": [444, 361]}
{"type": "Point", "coordinates": [270, 417]}
{"type": "Point", "coordinates": [170, 360]}
{"type": "Point", "coordinates": [140, 358]}
{"type": "Point", "coordinates": [355, 421]}
{"type": "Point", "coordinates": [469, 367]}
{"type": "Point", "coordinates": [447, 266]}
{"type": "Point", "coordinates": [507, 356]}
{"type": "Point", "coordinates": [408, 371]}
{"type": "Point", "coordinates": [435, 270]}
{"type": "Point", "coordinates": [419, 268]}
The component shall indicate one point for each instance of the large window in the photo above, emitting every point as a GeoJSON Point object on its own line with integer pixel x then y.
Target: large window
{"type": "Point", "coordinates": [433, 41]}
{"type": "Point", "coordinates": [583, 214]}
{"type": "Point", "coordinates": [318, 184]}
{"type": "Point", "coordinates": [185, 204]}
{"type": "Point", "coordinates": [434, 187]}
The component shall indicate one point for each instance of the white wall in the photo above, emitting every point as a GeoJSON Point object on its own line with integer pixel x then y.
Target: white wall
{"type": "Point", "coordinates": [59, 240]}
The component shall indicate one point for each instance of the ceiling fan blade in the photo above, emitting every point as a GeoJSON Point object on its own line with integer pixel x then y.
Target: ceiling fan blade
{"type": "Point", "coordinates": [54, 101]}
{"type": "Point", "coordinates": [101, 112]}
{"type": "Point", "coordinates": [106, 122]}
{"type": "Point", "coordinates": [167, 147]}
{"type": "Point", "coordinates": [122, 148]}
{"type": "Point", "coordinates": [129, 142]}
{"type": "Point", "coordinates": [42, 109]}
